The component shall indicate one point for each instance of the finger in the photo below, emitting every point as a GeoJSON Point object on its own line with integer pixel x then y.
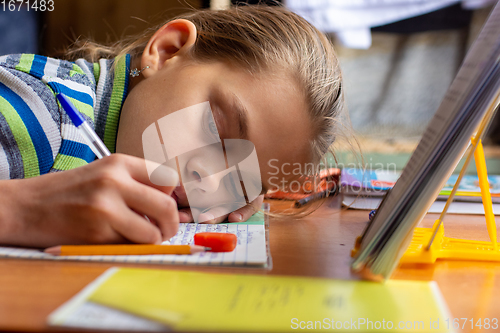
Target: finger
{"type": "Point", "coordinates": [212, 220]}
{"type": "Point", "coordinates": [214, 215]}
{"type": "Point", "coordinates": [106, 234]}
{"type": "Point", "coordinates": [244, 213]}
{"type": "Point", "coordinates": [155, 204]}
{"type": "Point", "coordinates": [162, 178]}
{"type": "Point", "coordinates": [185, 215]}
{"type": "Point", "coordinates": [169, 222]}
{"type": "Point", "coordinates": [135, 228]}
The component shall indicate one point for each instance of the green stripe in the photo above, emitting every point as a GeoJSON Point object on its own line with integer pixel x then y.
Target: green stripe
{"type": "Point", "coordinates": [97, 71]}
{"type": "Point", "coordinates": [84, 108]}
{"type": "Point", "coordinates": [76, 70]}
{"type": "Point", "coordinates": [115, 104]}
{"type": "Point", "coordinates": [66, 162]}
{"type": "Point", "coordinates": [25, 63]}
{"type": "Point", "coordinates": [22, 137]}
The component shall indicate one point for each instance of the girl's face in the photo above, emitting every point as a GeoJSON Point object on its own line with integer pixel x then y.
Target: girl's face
{"type": "Point", "coordinates": [267, 109]}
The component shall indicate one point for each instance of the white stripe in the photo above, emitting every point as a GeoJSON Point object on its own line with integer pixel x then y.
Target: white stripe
{"type": "Point", "coordinates": [71, 85]}
{"type": "Point", "coordinates": [4, 165]}
{"type": "Point", "coordinates": [37, 106]}
{"type": "Point", "coordinates": [101, 84]}
{"type": "Point", "coordinates": [51, 67]}
{"type": "Point", "coordinates": [83, 65]}
{"type": "Point", "coordinates": [90, 75]}
{"type": "Point", "coordinates": [3, 58]}
{"type": "Point", "coordinates": [70, 132]}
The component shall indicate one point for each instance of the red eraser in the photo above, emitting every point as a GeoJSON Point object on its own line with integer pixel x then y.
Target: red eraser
{"type": "Point", "coordinates": [217, 241]}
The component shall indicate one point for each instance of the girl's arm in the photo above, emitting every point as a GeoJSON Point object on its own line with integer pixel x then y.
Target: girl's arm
{"type": "Point", "coordinates": [102, 202]}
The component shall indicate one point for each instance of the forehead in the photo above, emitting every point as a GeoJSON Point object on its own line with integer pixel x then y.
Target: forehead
{"type": "Point", "coordinates": [279, 124]}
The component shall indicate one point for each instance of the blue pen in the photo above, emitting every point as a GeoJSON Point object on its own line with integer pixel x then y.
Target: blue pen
{"type": "Point", "coordinates": [94, 142]}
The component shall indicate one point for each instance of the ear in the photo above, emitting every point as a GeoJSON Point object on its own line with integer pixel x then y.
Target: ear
{"type": "Point", "coordinates": [173, 39]}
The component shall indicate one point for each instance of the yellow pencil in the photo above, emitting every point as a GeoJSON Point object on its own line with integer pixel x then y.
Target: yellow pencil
{"type": "Point", "coordinates": [123, 249]}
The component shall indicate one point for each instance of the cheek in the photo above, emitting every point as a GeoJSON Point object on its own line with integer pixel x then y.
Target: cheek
{"type": "Point", "coordinates": [130, 128]}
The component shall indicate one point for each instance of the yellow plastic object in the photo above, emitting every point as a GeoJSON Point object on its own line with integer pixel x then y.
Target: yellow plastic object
{"type": "Point", "coordinates": [482, 173]}
{"type": "Point", "coordinates": [446, 248]}
{"type": "Point", "coordinates": [428, 245]}
{"type": "Point", "coordinates": [443, 247]}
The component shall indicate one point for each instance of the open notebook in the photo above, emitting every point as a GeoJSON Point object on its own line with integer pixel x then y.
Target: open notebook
{"type": "Point", "coordinates": [251, 250]}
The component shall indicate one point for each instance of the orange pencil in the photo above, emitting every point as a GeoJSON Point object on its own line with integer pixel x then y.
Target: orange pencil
{"type": "Point", "coordinates": [123, 249]}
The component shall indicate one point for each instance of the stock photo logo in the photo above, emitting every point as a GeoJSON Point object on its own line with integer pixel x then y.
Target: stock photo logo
{"type": "Point", "coordinates": [216, 176]}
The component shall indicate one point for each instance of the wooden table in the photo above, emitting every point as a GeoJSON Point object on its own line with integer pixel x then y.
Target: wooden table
{"type": "Point", "coordinates": [318, 246]}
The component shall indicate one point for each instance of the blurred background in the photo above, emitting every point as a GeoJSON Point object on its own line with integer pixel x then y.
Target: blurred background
{"type": "Point", "coordinates": [398, 57]}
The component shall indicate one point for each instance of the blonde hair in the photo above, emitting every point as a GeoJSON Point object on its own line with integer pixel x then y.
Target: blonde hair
{"type": "Point", "coordinates": [257, 38]}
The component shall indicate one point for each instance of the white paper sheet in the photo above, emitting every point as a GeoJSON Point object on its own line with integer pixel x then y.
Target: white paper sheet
{"type": "Point", "coordinates": [251, 249]}
{"type": "Point", "coordinates": [472, 208]}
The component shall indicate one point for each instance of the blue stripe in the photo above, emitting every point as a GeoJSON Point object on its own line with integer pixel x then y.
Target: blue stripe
{"type": "Point", "coordinates": [127, 70]}
{"type": "Point", "coordinates": [35, 130]}
{"type": "Point", "coordinates": [77, 149]}
{"type": "Point", "coordinates": [78, 95]}
{"type": "Point", "coordinates": [38, 66]}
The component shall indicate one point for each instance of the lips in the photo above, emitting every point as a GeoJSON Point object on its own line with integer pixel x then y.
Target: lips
{"type": "Point", "coordinates": [175, 197]}
{"type": "Point", "coordinates": [179, 195]}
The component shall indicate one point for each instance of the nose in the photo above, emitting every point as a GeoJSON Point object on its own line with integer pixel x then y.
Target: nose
{"type": "Point", "coordinates": [207, 177]}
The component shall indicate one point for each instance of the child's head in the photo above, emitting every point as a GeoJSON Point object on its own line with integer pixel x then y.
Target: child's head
{"type": "Point", "coordinates": [270, 77]}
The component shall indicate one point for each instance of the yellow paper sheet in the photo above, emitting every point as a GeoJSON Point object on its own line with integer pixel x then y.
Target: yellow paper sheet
{"type": "Point", "coordinates": [218, 302]}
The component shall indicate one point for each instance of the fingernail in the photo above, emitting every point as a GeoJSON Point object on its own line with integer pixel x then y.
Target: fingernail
{"type": "Point", "coordinates": [206, 217]}
{"type": "Point", "coordinates": [238, 217]}
{"type": "Point", "coordinates": [164, 176]}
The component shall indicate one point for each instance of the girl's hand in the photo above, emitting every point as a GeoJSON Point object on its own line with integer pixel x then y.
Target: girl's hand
{"type": "Point", "coordinates": [102, 202]}
{"type": "Point", "coordinates": [240, 215]}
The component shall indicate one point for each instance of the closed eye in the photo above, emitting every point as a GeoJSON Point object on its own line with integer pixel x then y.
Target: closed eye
{"type": "Point", "coordinates": [210, 127]}
{"type": "Point", "coordinates": [230, 115]}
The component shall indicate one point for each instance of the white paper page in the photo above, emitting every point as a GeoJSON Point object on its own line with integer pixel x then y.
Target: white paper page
{"type": "Point", "coordinates": [90, 315]}
{"type": "Point", "coordinates": [251, 248]}
{"type": "Point", "coordinates": [472, 208]}
{"type": "Point", "coordinates": [78, 312]}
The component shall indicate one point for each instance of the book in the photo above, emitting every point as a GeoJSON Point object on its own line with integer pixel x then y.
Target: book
{"type": "Point", "coordinates": [152, 300]}
{"type": "Point", "coordinates": [365, 189]}
{"type": "Point", "coordinates": [472, 95]}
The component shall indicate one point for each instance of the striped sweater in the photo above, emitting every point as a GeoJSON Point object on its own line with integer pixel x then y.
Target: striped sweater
{"type": "Point", "coordinates": [36, 135]}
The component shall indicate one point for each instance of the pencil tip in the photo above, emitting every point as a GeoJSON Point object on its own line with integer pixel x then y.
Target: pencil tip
{"type": "Point", "coordinates": [54, 250]}
{"type": "Point", "coordinates": [208, 248]}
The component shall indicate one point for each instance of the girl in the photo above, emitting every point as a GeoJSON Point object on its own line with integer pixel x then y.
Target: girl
{"type": "Point", "coordinates": [269, 77]}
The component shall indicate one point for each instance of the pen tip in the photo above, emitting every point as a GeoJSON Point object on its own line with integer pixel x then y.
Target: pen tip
{"type": "Point", "coordinates": [208, 249]}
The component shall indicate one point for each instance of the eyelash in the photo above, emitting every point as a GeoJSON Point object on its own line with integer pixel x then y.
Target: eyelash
{"type": "Point", "coordinates": [210, 126]}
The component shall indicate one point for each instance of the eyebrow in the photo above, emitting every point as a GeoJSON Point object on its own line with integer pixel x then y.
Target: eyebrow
{"type": "Point", "coordinates": [241, 113]}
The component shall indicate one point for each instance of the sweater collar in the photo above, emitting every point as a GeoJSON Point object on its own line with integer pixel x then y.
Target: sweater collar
{"type": "Point", "coordinates": [112, 78]}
